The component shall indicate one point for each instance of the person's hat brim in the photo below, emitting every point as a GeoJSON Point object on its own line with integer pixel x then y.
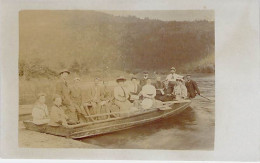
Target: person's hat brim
{"type": "Point", "coordinates": [67, 71]}
{"type": "Point", "coordinates": [133, 78]}
{"type": "Point", "coordinates": [121, 78]}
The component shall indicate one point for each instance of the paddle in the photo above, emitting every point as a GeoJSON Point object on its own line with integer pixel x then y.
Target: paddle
{"type": "Point", "coordinates": [204, 97]}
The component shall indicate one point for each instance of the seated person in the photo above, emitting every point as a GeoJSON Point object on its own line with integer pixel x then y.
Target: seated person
{"type": "Point", "coordinates": [180, 90]}
{"type": "Point", "coordinates": [159, 88]}
{"type": "Point", "coordinates": [148, 92]}
{"type": "Point", "coordinates": [40, 112]}
{"type": "Point", "coordinates": [57, 115]}
{"type": "Point", "coordinates": [192, 87]}
{"type": "Point", "coordinates": [168, 92]}
{"type": "Point", "coordinates": [134, 88]}
{"type": "Point", "coordinates": [121, 95]}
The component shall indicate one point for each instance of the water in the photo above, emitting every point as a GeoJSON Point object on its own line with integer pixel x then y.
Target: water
{"type": "Point", "coordinates": [193, 129]}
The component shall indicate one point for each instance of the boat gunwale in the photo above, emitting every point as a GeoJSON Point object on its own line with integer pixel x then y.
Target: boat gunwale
{"type": "Point", "coordinates": [140, 112]}
{"type": "Point", "coordinates": [70, 134]}
{"type": "Point", "coordinates": [134, 122]}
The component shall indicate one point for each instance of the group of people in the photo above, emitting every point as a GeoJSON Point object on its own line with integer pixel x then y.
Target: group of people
{"type": "Point", "coordinates": [71, 107]}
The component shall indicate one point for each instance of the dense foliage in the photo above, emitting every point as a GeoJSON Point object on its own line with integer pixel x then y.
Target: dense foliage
{"type": "Point", "coordinates": [89, 40]}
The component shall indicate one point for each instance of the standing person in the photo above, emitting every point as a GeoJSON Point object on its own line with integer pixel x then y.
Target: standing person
{"type": "Point", "coordinates": [121, 95]}
{"type": "Point", "coordinates": [63, 90]}
{"type": "Point", "coordinates": [40, 111]}
{"type": "Point", "coordinates": [144, 79]}
{"type": "Point", "coordinates": [192, 87]}
{"type": "Point", "coordinates": [96, 96]}
{"type": "Point", "coordinates": [77, 99]}
{"type": "Point", "coordinates": [57, 115]}
{"type": "Point", "coordinates": [109, 97]}
{"type": "Point", "coordinates": [171, 78]}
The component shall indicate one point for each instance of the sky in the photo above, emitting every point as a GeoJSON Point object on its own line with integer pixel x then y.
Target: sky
{"type": "Point", "coordinates": [166, 15]}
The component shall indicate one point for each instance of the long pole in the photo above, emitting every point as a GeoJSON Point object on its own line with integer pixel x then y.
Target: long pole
{"type": "Point", "coordinates": [204, 97]}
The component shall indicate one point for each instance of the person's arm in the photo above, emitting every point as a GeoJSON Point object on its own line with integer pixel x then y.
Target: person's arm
{"type": "Point", "coordinates": [196, 87]}
{"type": "Point", "coordinates": [168, 78]}
{"type": "Point", "coordinates": [179, 76]}
{"type": "Point", "coordinates": [154, 92]}
{"type": "Point", "coordinates": [47, 111]}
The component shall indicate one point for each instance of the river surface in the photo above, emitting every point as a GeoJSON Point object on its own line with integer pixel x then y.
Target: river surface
{"type": "Point", "coordinates": [193, 129]}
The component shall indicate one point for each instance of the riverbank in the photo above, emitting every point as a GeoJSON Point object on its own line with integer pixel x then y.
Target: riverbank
{"type": "Point", "coordinates": [32, 139]}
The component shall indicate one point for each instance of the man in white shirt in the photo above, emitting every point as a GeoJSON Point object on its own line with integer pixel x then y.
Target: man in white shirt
{"type": "Point", "coordinates": [173, 76]}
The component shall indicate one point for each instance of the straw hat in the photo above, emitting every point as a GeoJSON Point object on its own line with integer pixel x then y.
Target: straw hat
{"type": "Point", "coordinates": [173, 68]}
{"type": "Point", "coordinates": [122, 78]}
{"type": "Point", "coordinates": [64, 70]}
{"type": "Point", "coordinates": [133, 77]}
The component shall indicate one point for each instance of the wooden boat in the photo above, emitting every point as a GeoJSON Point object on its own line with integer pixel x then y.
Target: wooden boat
{"type": "Point", "coordinates": [129, 120]}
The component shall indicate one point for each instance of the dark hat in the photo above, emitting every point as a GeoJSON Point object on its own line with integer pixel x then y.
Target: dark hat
{"type": "Point", "coordinates": [187, 75]}
{"type": "Point", "coordinates": [64, 70]}
{"type": "Point", "coordinates": [120, 78]}
{"type": "Point", "coordinates": [55, 96]}
{"type": "Point", "coordinates": [145, 72]}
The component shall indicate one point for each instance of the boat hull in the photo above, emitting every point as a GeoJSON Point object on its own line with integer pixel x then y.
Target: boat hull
{"type": "Point", "coordinates": [108, 126]}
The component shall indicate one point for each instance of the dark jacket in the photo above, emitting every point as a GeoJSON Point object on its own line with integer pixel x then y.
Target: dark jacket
{"type": "Point", "coordinates": [63, 90]}
{"type": "Point", "coordinates": [143, 82]}
{"type": "Point", "coordinates": [192, 88]}
{"type": "Point", "coordinates": [158, 85]}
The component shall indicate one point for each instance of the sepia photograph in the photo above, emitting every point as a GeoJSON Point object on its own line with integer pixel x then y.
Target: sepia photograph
{"type": "Point", "coordinates": [164, 80]}
{"type": "Point", "coordinates": [117, 79]}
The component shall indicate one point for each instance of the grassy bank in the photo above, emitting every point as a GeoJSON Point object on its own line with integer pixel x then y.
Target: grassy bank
{"type": "Point", "coordinates": [29, 88]}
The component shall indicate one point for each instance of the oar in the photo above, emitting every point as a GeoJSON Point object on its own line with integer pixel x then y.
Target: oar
{"type": "Point", "coordinates": [204, 97]}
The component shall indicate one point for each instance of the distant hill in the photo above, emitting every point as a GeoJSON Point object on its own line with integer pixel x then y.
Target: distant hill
{"type": "Point", "coordinates": [95, 40]}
